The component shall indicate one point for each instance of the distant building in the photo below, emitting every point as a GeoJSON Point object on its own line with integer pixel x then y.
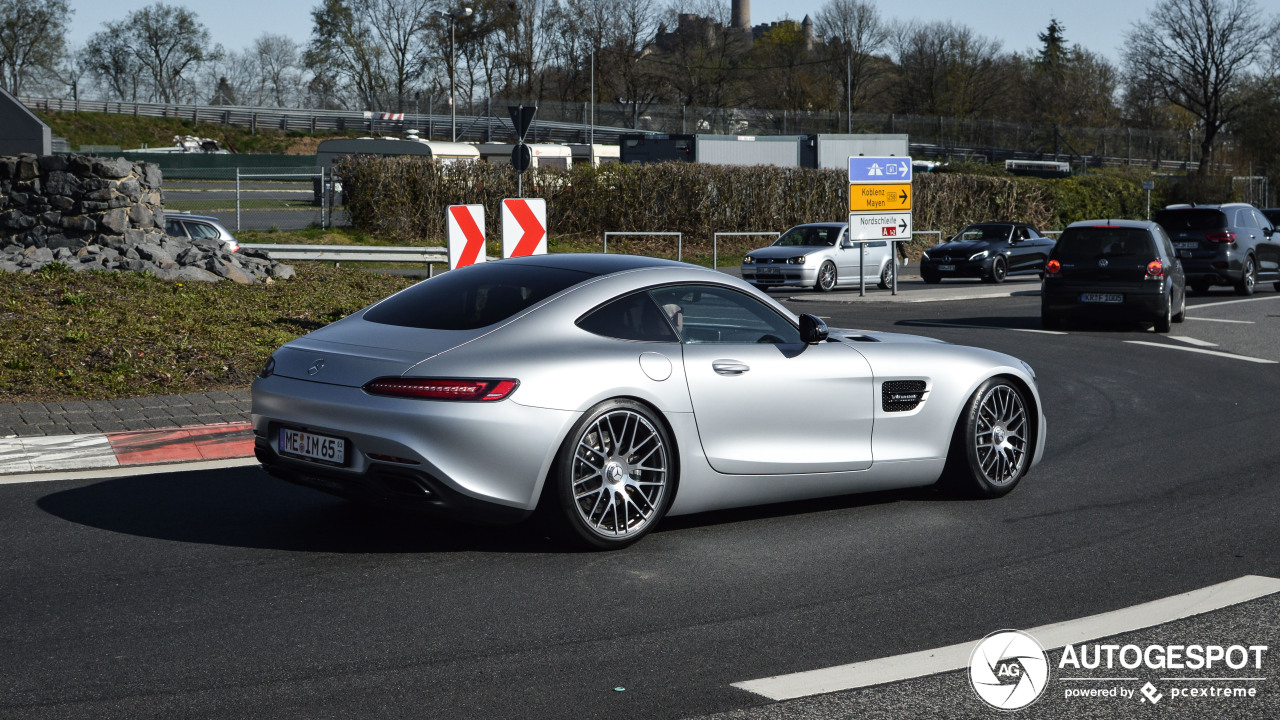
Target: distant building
{"type": "Point", "coordinates": [696, 29]}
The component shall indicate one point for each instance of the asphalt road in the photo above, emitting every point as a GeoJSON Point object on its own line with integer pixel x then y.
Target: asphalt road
{"type": "Point", "coordinates": [228, 594]}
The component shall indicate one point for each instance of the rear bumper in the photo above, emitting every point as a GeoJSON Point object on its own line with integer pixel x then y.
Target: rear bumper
{"type": "Point", "coordinates": [477, 460]}
{"type": "Point", "coordinates": [1143, 304]}
{"type": "Point", "coordinates": [1222, 270]}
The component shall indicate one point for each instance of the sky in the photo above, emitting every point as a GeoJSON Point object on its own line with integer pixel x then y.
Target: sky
{"type": "Point", "coordinates": [1098, 25]}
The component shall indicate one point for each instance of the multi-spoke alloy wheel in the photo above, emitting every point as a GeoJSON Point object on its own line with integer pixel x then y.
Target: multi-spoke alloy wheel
{"type": "Point", "coordinates": [615, 475]}
{"type": "Point", "coordinates": [991, 447]}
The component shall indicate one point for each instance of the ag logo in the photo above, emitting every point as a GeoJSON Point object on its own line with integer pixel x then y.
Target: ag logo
{"type": "Point", "coordinates": [1008, 670]}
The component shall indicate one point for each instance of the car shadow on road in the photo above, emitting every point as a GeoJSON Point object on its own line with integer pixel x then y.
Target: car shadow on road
{"type": "Point", "coordinates": [1027, 322]}
{"type": "Point", "coordinates": [930, 493]}
{"type": "Point", "coordinates": [244, 507]}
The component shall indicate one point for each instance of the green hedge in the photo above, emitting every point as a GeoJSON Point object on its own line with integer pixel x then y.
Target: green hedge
{"type": "Point", "coordinates": [405, 198]}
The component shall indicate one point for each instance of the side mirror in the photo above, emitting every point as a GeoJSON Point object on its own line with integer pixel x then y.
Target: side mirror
{"type": "Point", "coordinates": [812, 329]}
{"type": "Point", "coordinates": [847, 243]}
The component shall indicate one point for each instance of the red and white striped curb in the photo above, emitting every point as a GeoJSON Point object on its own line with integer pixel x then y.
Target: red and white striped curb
{"type": "Point", "coordinates": [146, 447]}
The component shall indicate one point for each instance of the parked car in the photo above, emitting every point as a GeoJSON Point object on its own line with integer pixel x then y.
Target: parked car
{"type": "Point", "coordinates": [1125, 269]}
{"type": "Point", "coordinates": [1230, 244]}
{"type": "Point", "coordinates": [818, 255]}
{"type": "Point", "coordinates": [599, 393]}
{"type": "Point", "coordinates": [184, 225]}
{"type": "Point", "coordinates": [990, 250]}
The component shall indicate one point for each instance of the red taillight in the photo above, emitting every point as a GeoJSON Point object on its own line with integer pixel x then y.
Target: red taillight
{"type": "Point", "coordinates": [1221, 237]}
{"type": "Point", "coordinates": [1052, 267]}
{"type": "Point", "coordinates": [442, 389]}
{"type": "Point", "coordinates": [1155, 269]}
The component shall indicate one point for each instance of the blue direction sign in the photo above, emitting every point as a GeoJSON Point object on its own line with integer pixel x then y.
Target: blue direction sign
{"type": "Point", "coordinates": [879, 169]}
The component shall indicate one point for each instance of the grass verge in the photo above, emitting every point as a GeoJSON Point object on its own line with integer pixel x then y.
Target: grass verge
{"type": "Point", "coordinates": [100, 335]}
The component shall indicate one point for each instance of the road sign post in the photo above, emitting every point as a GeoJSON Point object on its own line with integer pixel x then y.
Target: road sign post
{"type": "Point", "coordinates": [880, 200]}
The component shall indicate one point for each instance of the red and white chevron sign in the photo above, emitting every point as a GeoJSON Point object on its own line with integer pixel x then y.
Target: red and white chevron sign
{"type": "Point", "coordinates": [392, 116]}
{"type": "Point", "coordinates": [466, 235]}
{"type": "Point", "coordinates": [524, 227]}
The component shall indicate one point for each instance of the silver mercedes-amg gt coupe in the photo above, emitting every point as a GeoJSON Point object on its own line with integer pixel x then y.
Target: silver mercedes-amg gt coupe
{"type": "Point", "coordinates": [599, 393]}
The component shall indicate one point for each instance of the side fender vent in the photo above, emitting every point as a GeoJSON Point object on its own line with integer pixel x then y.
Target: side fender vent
{"type": "Point", "coordinates": [901, 395]}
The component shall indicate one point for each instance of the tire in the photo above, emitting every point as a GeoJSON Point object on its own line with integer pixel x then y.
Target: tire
{"type": "Point", "coordinates": [930, 278]}
{"type": "Point", "coordinates": [1182, 308]}
{"type": "Point", "coordinates": [1164, 323]}
{"type": "Point", "coordinates": [999, 271]}
{"type": "Point", "coordinates": [886, 278]}
{"type": "Point", "coordinates": [592, 467]}
{"type": "Point", "coordinates": [826, 281]}
{"type": "Point", "coordinates": [977, 466]}
{"type": "Point", "coordinates": [1249, 278]}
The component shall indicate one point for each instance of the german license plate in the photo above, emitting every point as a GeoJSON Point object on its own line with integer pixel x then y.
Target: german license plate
{"type": "Point", "coordinates": [1101, 297]}
{"type": "Point", "coordinates": [768, 271]}
{"type": "Point", "coordinates": [313, 447]}
{"type": "Point", "coordinates": [1186, 245]}
{"type": "Point", "coordinates": [947, 268]}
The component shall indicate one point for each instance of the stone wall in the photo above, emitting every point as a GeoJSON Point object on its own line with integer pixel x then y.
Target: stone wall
{"type": "Point", "coordinates": [92, 213]}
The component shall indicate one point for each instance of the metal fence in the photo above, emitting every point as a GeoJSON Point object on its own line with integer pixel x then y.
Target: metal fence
{"type": "Point", "coordinates": [252, 199]}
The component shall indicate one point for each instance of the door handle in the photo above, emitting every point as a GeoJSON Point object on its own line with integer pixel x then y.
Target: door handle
{"type": "Point", "coordinates": [729, 367]}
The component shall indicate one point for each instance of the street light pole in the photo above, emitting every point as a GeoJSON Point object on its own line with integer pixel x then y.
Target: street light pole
{"type": "Point", "coordinates": [453, 67]}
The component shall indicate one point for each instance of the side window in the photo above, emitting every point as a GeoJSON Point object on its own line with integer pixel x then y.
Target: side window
{"type": "Point", "coordinates": [1024, 234]}
{"type": "Point", "coordinates": [1245, 219]}
{"type": "Point", "coordinates": [201, 230]}
{"type": "Point", "coordinates": [1262, 220]}
{"type": "Point", "coordinates": [634, 317]}
{"type": "Point", "coordinates": [173, 228]}
{"type": "Point", "coordinates": [713, 315]}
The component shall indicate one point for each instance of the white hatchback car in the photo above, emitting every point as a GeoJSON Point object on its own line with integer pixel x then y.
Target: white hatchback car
{"type": "Point", "coordinates": [818, 255]}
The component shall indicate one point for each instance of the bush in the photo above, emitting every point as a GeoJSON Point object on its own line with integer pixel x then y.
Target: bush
{"type": "Point", "coordinates": [405, 198]}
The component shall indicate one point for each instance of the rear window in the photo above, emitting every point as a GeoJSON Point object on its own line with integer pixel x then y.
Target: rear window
{"type": "Point", "coordinates": [473, 297]}
{"type": "Point", "coordinates": [1093, 243]}
{"type": "Point", "coordinates": [1181, 220]}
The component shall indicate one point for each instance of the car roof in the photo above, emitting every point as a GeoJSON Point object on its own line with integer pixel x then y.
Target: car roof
{"type": "Point", "coordinates": [595, 263]}
{"type": "Point", "coordinates": [821, 224]}
{"type": "Point", "coordinates": [1218, 206]}
{"type": "Point", "coordinates": [1143, 224]}
{"type": "Point", "coordinates": [186, 216]}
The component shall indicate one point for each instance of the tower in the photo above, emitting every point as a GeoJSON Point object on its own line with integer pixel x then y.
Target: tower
{"type": "Point", "coordinates": [740, 14]}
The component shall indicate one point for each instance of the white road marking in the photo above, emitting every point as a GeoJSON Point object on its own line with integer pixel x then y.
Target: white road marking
{"type": "Point", "coordinates": [1215, 353]}
{"type": "Point", "coordinates": [956, 657]}
{"type": "Point", "coordinates": [55, 452]}
{"type": "Point", "coordinates": [1193, 341]}
{"type": "Point", "coordinates": [1223, 320]}
{"type": "Point", "coordinates": [1233, 302]}
{"type": "Point", "coordinates": [926, 323]}
{"type": "Point", "coordinates": [127, 471]}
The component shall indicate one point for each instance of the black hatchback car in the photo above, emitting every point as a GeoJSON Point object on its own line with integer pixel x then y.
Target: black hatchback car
{"type": "Point", "coordinates": [1230, 244]}
{"type": "Point", "coordinates": [991, 251]}
{"type": "Point", "coordinates": [1114, 269]}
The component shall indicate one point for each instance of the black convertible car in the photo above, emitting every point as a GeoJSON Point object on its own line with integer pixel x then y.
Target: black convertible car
{"type": "Point", "coordinates": [991, 251]}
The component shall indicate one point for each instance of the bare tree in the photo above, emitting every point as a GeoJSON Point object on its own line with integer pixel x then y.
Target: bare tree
{"type": "Point", "coordinates": [32, 39]}
{"type": "Point", "coordinates": [277, 60]}
{"type": "Point", "coordinates": [854, 33]}
{"type": "Point", "coordinates": [1198, 55]}
{"type": "Point", "coordinates": [344, 52]}
{"type": "Point", "coordinates": [947, 69]}
{"type": "Point", "coordinates": [165, 43]}
{"type": "Point", "coordinates": [114, 66]}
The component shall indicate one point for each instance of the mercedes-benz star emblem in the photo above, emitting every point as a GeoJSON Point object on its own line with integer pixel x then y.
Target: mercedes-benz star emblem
{"type": "Point", "coordinates": [316, 367]}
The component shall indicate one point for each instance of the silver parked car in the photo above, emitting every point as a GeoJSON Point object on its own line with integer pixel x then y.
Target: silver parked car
{"type": "Point", "coordinates": [186, 225]}
{"type": "Point", "coordinates": [818, 255]}
{"type": "Point", "coordinates": [602, 392]}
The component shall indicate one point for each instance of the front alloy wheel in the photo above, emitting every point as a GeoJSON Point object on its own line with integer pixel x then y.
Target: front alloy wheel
{"type": "Point", "coordinates": [614, 477]}
{"type": "Point", "coordinates": [991, 446]}
{"type": "Point", "coordinates": [826, 277]}
{"type": "Point", "coordinates": [999, 271]}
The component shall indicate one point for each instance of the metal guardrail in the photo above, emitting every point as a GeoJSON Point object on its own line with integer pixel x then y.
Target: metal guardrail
{"type": "Point", "coordinates": [354, 253]}
{"type": "Point", "coordinates": [472, 128]}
